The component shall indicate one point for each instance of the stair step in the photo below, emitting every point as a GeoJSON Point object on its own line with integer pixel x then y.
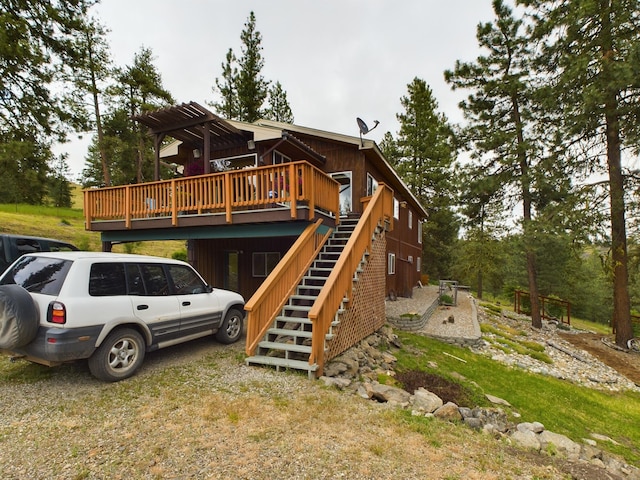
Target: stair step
{"type": "Point", "coordinates": [300, 320]}
{"type": "Point", "coordinates": [289, 333]}
{"type": "Point", "coordinates": [281, 362]}
{"type": "Point", "coordinates": [298, 296]}
{"type": "Point", "coordinates": [289, 347]}
{"type": "Point", "coordinates": [297, 308]}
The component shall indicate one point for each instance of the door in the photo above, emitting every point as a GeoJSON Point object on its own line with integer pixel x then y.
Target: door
{"type": "Point", "coordinates": [153, 301]}
{"type": "Point", "coordinates": [231, 279]}
{"type": "Point", "coordinates": [200, 310]}
{"type": "Point", "coordinates": [346, 200]}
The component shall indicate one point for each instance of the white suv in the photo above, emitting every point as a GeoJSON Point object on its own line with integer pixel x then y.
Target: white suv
{"type": "Point", "coordinates": [109, 308]}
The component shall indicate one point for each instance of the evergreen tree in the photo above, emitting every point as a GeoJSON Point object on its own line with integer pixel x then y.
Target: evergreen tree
{"type": "Point", "coordinates": [142, 92]}
{"type": "Point", "coordinates": [251, 85]}
{"type": "Point", "coordinates": [228, 106]}
{"type": "Point", "coordinates": [37, 53]}
{"type": "Point", "coordinates": [278, 109]}
{"type": "Point", "coordinates": [59, 188]}
{"type": "Point", "coordinates": [501, 123]}
{"type": "Point", "coordinates": [591, 54]}
{"type": "Point", "coordinates": [422, 155]}
{"type": "Point", "coordinates": [91, 79]}
{"type": "Point", "coordinates": [244, 93]}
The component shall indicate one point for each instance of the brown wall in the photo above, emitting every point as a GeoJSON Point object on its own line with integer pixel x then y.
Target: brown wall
{"type": "Point", "coordinates": [209, 258]}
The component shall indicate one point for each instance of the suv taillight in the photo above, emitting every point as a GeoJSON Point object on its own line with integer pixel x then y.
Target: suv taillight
{"type": "Point", "coordinates": [57, 313]}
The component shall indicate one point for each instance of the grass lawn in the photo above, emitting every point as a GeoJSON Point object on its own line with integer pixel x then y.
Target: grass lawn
{"type": "Point", "coordinates": [562, 407]}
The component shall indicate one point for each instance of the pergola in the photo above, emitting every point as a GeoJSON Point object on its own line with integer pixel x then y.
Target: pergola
{"type": "Point", "coordinates": [194, 125]}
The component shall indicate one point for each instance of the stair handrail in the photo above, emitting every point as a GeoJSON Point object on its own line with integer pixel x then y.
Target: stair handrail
{"type": "Point", "coordinates": [274, 292]}
{"type": "Point", "coordinates": [339, 284]}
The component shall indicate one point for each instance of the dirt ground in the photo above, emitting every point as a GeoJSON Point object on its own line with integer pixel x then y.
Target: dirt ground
{"type": "Point", "coordinates": [628, 364]}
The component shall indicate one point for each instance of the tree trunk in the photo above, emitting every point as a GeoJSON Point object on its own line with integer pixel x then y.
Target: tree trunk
{"type": "Point", "coordinates": [106, 175]}
{"type": "Point", "coordinates": [536, 320]}
{"type": "Point", "coordinates": [621, 304]}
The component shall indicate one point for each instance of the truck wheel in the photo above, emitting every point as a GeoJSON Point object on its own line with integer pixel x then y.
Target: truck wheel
{"type": "Point", "coordinates": [18, 317]}
{"type": "Point", "coordinates": [231, 328]}
{"type": "Point", "coordinates": [119, 355]}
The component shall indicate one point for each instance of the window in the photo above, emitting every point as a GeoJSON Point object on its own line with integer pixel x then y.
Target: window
{"type": "Point", "coordinates": [410, 259]}
{"type": "Point", "coordinates": [372, 185]}
{"type": "Point", "coordinates": [155, 280]}
{"type": "Point", "coordinates": [26, 245]}
{"type": "Point", "coordinates": [391, 267]}
{"type": "Point", "coordinates": [410, 219]}
{"type": "Point", "coordinates": [264, 263]}
{"type": "Point", "coordinates": [234, 163]}
{"type": "Point", "coordinates": [185, 280]}
{"type": "Point", "coordinates": [396, 208]}
{"type": "Point", "coordinates": [279, 158]}
{"type": "Point", "coordinates": [418, 264]}
{"type": "Point", "coordinates": [107, 280]}
{"type": "Point", "coordinates": [38, 275]}
{"type": "Point", "coordinates": [419, 232]}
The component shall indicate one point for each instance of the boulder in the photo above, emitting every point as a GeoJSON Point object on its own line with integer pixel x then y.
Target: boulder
{"type": "Point", "coordinates": [449, 411]}
{"type": "Point", "coordinates": [426, 401]}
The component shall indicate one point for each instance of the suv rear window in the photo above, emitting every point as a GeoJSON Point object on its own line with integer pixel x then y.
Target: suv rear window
{"type": "Point", "coordinates": [39, 274]}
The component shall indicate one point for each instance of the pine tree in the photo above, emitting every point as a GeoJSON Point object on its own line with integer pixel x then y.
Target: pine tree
{"type": "Point", "coordinates": [278, 109]}
{"type": "Point", "coordinates": [91, 79]}
{"type": "Point", "coordinates": [143, 92]}
{"type": "Point", "coordinates": [500, 121]}
{"type": "Point", "coordinates": [251, 85]}
{"type": "Point", "coordinates": [423, 152]}
{"type": "Point", "coordinates": [228, 105]}
{"type": "Point", "coordinates": [591, 54]}
{"type": "Point", "coordinates": [243, 92]}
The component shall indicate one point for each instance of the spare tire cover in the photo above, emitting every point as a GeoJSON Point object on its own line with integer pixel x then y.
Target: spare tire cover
{"type": "Point", "coordinates": [18, 317]}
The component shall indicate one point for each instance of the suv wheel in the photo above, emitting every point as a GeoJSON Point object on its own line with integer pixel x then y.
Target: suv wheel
{"type": "Point", "coordinates": [18, 317]}
{"type": "Point", "coordinates": [231, 328]}
{"type": "Point", "coordinates": [119, 355]}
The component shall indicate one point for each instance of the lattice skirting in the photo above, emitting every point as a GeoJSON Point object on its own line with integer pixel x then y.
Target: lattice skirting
{"type": "Point", "coordinates": [365, 313]}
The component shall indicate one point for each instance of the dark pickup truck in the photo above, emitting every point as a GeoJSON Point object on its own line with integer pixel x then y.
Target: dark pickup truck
{"type": "Point", "coordinates": [14, 246]}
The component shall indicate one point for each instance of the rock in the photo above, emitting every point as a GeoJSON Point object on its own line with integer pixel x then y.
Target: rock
{"type": "Point", "coordinates": [338, 382]}
{"type": "Point", "coordinates": [387, 393]}
{"type": "Point", "coordinates": [526, 439]}
{"type": "Point", "coordinates": [604, 438]}
{"type": "Point", "coordinates": [535, 427]}
{"type": "Point", "coordinates": [426, 400]}
{"type": "Point", "coordinates": [473, 422]}
{"type": "Point", "coordinates": [497, 400]}
{"type": "Point", "coordinates": [551, 441]}
{"type": "Point", "coordinates": [449, 411]}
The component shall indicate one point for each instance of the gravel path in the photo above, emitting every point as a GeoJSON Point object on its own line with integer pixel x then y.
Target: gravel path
{"type": "Point", "coordinates": [465, 323]}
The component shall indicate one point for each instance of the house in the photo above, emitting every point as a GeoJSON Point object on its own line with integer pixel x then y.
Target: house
{"type": "Point", "coordinates": [314, 228]}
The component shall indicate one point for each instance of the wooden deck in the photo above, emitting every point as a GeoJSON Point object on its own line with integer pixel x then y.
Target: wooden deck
{"type": "Point", "coordinates": [292, 191]}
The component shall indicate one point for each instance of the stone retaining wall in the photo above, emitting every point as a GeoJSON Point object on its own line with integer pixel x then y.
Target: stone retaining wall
{"type": "Point", "coordinates": [410, 323]}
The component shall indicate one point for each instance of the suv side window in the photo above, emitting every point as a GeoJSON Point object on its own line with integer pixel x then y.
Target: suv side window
{"type": "Point", "coordinates": [185, 280]}
{"type": "Point", "coordinates": [155, 279]}
{"type": "Point", "coordinates": [26, 245]}
{"type": "Point", "coordinates": [107, 279]}
{"type": "Point", "coordinates": [134, 279]}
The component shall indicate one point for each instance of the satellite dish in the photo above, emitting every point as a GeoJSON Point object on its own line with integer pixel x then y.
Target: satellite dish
{"type": "Point", "coordinates": [363, 127]}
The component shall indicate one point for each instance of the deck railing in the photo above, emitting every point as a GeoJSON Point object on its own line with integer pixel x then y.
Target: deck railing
{"type": "Point", "coordinates": [287, 184]}
{"type": "Point", "coordinates": [339, 284]}
{"type": "Point", "coordinates": [269, 299]}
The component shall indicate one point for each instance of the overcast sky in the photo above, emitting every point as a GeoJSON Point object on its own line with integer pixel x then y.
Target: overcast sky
{"type": "Point", "coordinates": [336, 59]}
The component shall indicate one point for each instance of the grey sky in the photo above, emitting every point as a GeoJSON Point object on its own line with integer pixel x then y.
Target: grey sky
{"type": "Point", "coordinates": [337, 60]}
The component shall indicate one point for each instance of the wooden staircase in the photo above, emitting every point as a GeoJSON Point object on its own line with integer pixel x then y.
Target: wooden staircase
{"type": "Point", "coordinates": [287, 343]}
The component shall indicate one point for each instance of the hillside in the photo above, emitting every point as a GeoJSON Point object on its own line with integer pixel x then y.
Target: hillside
{"type": "Point", "coordinates": [68, 224]}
